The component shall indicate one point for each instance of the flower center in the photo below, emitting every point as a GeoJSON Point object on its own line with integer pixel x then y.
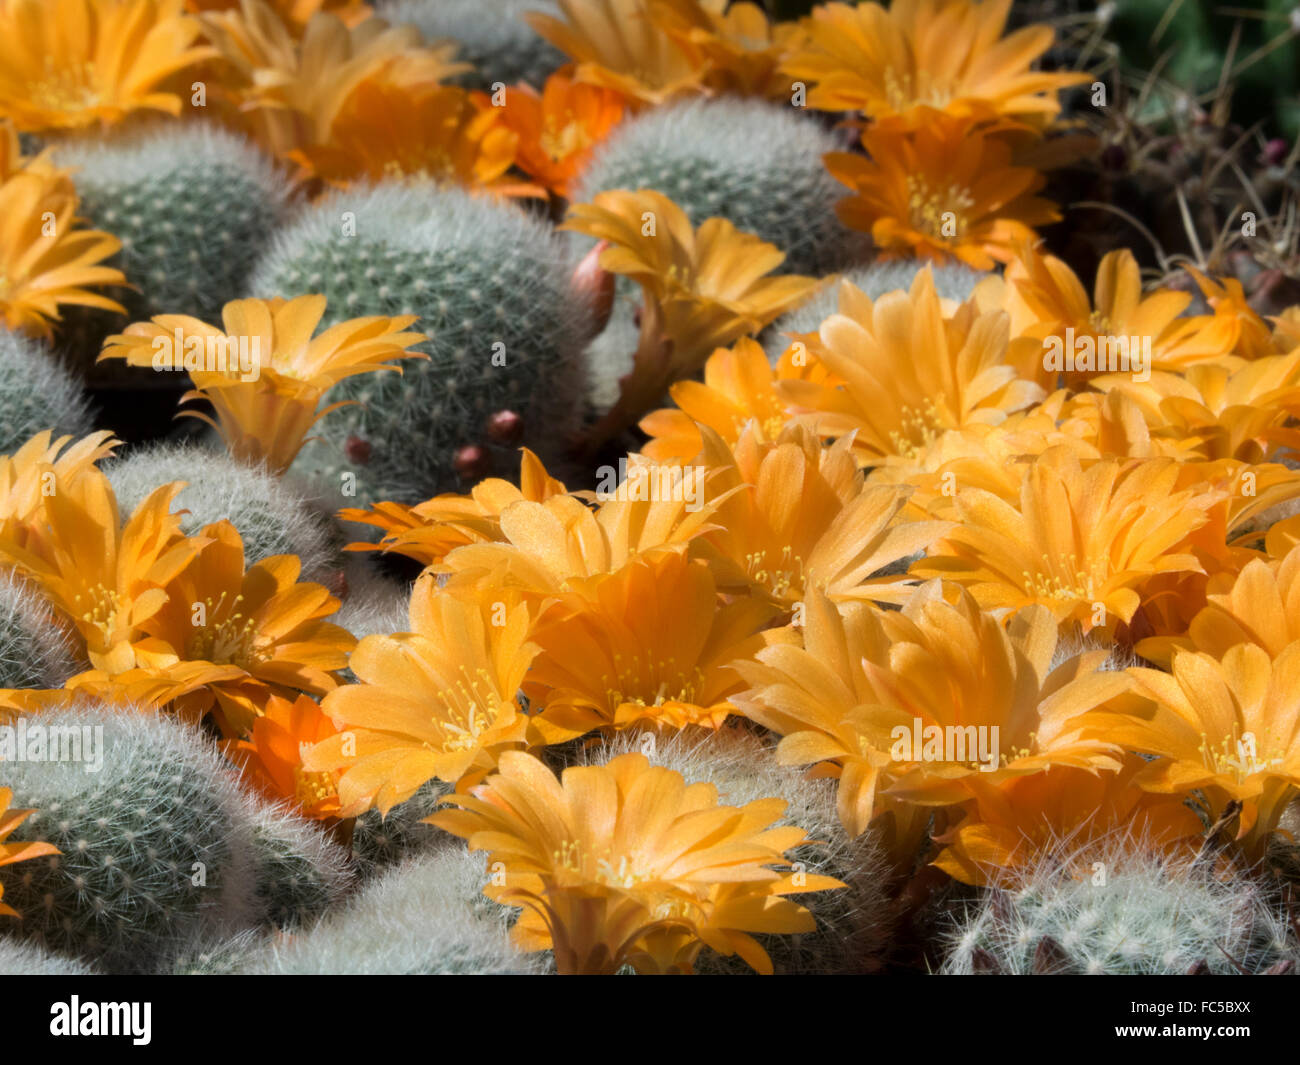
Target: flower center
{"type": "Point", "coordinates": [906, 90]}
{"type": "Point", "coordinates": [560, 142]}
{"type": "Point", "coordinates": [232, 640]}
{"type": "Point", "coordinates": [779, 572]}
{"type": "Point", "coordinates": [1239, 757]}
{"type": "Point", "coordinates": [605, 867]}
{"type": "Point", "coordinates": [649, 681]}
{"type": "Point", "coordinates": [312, 789]}
{"type": "Point", "coordinates": [938, 213]}
{"type": "Point", "coordinates": [1066, 582]}
{"type": "Point", "coordinates": [65, 88]}
{"type": "Point", "coordinates": [465, 710]}
{"type": "Point", "coordinates": [99, 608]}
{"type": "Point", "coordinates": [917, 429]}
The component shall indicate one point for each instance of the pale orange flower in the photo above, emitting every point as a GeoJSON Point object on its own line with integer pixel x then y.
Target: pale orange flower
{"type": "Point", "coordinates": [266, 374]}
{"type": "Point", "coordinates": [616, 44]}
{"type": "Point", "coordinates": [896, 65]}
{"type": "Point", "coordinates": [438, 701]}
{"type": "Point", "coordinates": [70, 64]}
{"type": "Point", "coordinates": [626, 863]}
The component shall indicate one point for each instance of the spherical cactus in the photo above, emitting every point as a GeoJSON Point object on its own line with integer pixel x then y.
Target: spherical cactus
{"type": "Point", "coordinates": [952, 281]}
{"type": "Point", "coordinates": [271, 516]}
{"type": "Point", "coordinates": [853, 923]}
{"type": "Point", "coordinates": [36, 393]}
{"type": "Point", "coordinates": [299, 870]}
{"type": "Point", "coordinates": [194, 206]}
{"type": "Point", "coordinates": [426, 917]}
{"type": "Point", "coordinates": [491, 290]}
{"type": "Point", "coordinates": [35, 648]}
{"type": "Point", "coordinates": [756, 164]}
{"type": "Point", "coordinates": [1133, 914]}
{"type": "Point", "coordinates": [144, 813]}
{"type": "Point", "coordinates": [19, 958]}
{"type": "Point", "coordinates": [380, 842]}
{"type": "Point", "coordinates": [492, 35]}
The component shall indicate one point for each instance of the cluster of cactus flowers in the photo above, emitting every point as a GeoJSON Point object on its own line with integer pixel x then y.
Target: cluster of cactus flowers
{"type": "Point", "coordinates": [651, 501]}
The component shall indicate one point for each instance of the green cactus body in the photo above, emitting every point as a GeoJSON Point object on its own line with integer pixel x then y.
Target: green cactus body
{"type": "Point", "coordinates": [300, 872]}
{"type": "Point", "coordinates": [381, 842]}
{"type": "Point", "coordinates": [490, 289]}
{"type": "Point", "coordinates": [1121, 911]}
{"type": "Point", "coordinates": [37, 393]}
{"type": "Point", "coordinates": [425, 917]}
{"type": "Point", "coordinates": [194, 206]}
{"type": "Point", "coordinates": [150, 849]}
{"type": "Point", "coordinates": [756, 164]}
{"type": "Point", "coordinates": [492, 34]}
{"type": "Point", "coordinates": [35, 648]}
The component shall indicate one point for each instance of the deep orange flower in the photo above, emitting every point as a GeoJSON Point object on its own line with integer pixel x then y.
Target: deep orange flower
{"type": "Point", "coordinates": [272, 757]}
{"type": "Point", "coordinates": [558, 130]}
{"type": "Point", "coordinates": [651, 643]}
{"type": "Point", "coordinates": [942, 192]}
{"type": "Point", "coordinates": [1005, 828]}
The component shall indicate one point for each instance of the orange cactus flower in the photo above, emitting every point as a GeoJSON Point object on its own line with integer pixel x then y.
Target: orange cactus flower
{"type": "Point", "coordinates": [559, 129]}
{"type": "Point", "coordinates": [946, 191]}
{"type": "Point", "coordinates": [272, 756]}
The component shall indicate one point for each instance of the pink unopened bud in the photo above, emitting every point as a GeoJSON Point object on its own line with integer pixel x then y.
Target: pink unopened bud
{"type": "Point", "coordinates": [472, 461]}
{"type": "Point", "coordinates": [1275, 152]}
{"type": "Point", "coordinates": [505, 427]}
{"type": "Point", "coordinates": [593, 283]}
{"type": "Point", "coordinates": [357, 450]}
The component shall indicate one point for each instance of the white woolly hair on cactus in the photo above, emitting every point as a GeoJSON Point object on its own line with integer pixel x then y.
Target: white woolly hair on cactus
{"type": "Point", "coordinates": [20, 958]}
{"type": "Point", "coordinates": [36, 647]}
{"type": "Point", "coordinates": [273, 515]}
{"type": "Point", "coordinates": [427, 916]}
{"type": "Point", "coordinates": [952, 281]}
{"type": "Point", "coordinates": [145, 814]}
{"type": "Point", "coordinates": [1117, 907]}
{"type": "Point", "coordinates": [300, 871]}
{"type": "Point", "coordinates": [37, 392]}
{"type": "Point", "coordinates": [755, 163]}
{"type": "Point", "coordinates": [491, 34]}
{"type": "Point", "coordinates": [853, 923]}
